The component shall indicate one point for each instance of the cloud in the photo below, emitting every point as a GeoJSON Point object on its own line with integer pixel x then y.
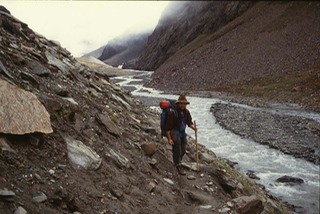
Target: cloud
{"type": "Point", "coordinates": [82, 26]}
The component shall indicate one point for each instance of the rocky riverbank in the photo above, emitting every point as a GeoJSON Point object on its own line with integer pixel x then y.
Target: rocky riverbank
{"type": "Point", "coordinates": [292, 135]}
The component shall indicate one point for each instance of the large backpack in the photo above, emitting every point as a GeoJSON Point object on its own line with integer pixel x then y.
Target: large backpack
{"type": "Point", "coordinates": [166, 106]}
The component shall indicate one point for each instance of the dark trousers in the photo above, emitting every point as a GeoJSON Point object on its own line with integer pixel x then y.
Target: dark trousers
{"type": "Point", "coordinates": [178, 148]}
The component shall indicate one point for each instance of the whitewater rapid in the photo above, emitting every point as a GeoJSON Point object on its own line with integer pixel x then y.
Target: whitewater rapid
{"type": "Point", "coordinates": [268, 164]}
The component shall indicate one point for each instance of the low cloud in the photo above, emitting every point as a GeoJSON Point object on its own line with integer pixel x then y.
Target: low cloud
{"type": "Point", "coordinates": [82, 26]}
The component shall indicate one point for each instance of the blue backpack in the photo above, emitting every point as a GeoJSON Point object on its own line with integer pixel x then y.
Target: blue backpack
{"type": "Point", "coordinates": [166, 106]}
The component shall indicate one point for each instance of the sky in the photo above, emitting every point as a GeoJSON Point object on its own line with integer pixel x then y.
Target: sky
{"type": "Point", "coordinates": [83, 26]}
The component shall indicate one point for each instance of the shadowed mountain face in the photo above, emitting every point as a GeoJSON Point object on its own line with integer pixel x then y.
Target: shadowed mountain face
{"type": "Point", "coordinates": [181, 22]}
{"type": "Point", "coordinates": [271, 38]}
{"type": "Point", "coordinates": [123, 50]}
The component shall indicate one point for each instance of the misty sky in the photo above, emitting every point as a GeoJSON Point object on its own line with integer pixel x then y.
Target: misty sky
{"type": "Point", "coordinates": [83, 26]}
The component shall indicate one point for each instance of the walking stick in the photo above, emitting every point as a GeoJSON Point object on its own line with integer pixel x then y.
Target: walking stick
{"type": "Point", "coordinates": [197, 157]}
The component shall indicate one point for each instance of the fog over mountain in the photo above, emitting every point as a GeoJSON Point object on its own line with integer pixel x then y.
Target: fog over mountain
{"type": "Point", "coordinates": [124, 50]}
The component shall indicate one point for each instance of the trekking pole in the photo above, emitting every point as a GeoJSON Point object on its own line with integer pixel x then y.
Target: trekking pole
{"type": "Point", "coordinates": [197, 157]}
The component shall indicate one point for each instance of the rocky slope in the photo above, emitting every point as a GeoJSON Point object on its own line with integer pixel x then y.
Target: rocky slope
{"type": "Point", "coordinates": [72, 142]}
{"type": "Point", "coordinates": [272, 49]}
{"type": "Point", "coordinates": [182, 22]}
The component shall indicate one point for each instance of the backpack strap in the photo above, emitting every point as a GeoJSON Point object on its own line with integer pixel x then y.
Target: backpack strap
{"type": "Point", "coordinates": [175, 113]}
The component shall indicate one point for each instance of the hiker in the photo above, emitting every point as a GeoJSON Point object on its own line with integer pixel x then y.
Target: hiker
{"type": "Point", "coordinates": [176, 130]}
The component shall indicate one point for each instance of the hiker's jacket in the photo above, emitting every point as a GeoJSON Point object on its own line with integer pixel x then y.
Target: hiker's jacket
{"type": "Point", "coordinates": [175, 120]}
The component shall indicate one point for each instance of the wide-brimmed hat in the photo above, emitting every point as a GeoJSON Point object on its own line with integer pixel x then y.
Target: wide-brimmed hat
{"type": "Point", "coordinates": [182, 99]}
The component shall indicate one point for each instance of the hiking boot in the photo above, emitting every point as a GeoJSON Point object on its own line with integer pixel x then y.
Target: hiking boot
{"type": "Point", "coordinates": [181, 170]}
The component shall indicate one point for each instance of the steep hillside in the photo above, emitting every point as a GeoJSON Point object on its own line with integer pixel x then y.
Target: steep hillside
{"type": "Point", "coordinates": [124, 50]}
{"type": "Point", "coordinates": [72, 142]}
{"type": "Point", "coordinates": [271, 42]}
{"type": "Point", "coordinates": [181, 22]}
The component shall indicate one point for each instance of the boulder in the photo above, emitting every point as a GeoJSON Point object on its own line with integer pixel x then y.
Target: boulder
{"type": "Point", "coordinates": [290, 180]}
{"type": "Point", "coordinates": [6, 193]}
{"type": "Point", "coordinates": [21, 112]}
{"type": "Point", "coordinates": [208, 158]}
{"type": "Point", "coordinates": [119, 159]}
{"type": "Point", "coordinates": [248, 204]}
{"type": "Point", "coordinates": [81, 155]}
{"type": "Point", "coordinates": [149, 148]}
{"type": "Point", "coordinates": [40, 198]}
{"type": "Point", "coordinates": [192, 166]}
{"type": "Point", "coordinates": [224, 179]}
{"type": "Point", "coordinates": [20, 210]}
{"type": "Point", "coordinates": [199, 197]}
{"type": "Point", "coordinates": [38, 69]}
{"type": "Point", "coordinates": [108, 124]}
{"type": "Point", "coordinates": [251, 174]}
{"type": "Point", "coordinates": [52, 60]}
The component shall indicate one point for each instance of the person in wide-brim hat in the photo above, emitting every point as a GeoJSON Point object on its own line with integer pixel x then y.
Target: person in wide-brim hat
{"type": "Point", "coordinates": [182, 99]}
{"type": "Point", "coordinates": [178, 119]}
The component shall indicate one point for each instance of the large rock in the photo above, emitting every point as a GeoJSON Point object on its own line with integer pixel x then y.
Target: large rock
{"type": "Point", "coordinates": [108, 124]}
{"type": "Point", "coordinates": [20, 210]}
{"type": "Point", "coordinates": [290, 180]}
{"type": "Point", "coordinates": [40, 198]}
{"type": "Point", "coordinates": [38, 69]}
{"type": "Point", "coordinates": [82, 155]}
{"type": "Point", "coordinates": [119, 159]}
{"type": "Point", "coordinates": [206, 157]}
{"type": "Point", "coordinates": [199, 197]}
{"type": "Point", "coordinates": [53, 60]}
{"type": "Point", "coordinates": [248, 205]}
{"type": "Point", "coordinates": [21, 112]}
{"type": "Point", "coordinates": [149, 148]}
{"type": "Point", "coordinates": [6, 193]}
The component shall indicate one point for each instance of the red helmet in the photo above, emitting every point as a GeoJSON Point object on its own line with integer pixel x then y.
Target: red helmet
{"type": "Point", "coordinates": [164, 104]}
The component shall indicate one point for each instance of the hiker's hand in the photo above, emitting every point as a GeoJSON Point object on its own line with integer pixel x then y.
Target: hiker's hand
{"type": "Point", "coordinates": [193, 127]}
{"type": "Point", "coordinates": [171, 142]}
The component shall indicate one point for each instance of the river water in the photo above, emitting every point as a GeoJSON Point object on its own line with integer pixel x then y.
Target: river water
{"type": "Point", "coordinates": [269, 164]}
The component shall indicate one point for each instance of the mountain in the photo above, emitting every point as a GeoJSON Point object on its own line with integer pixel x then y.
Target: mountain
{"type": "Point", "coordinates": [73, 142]}
{"type": "Point", "coordinates": [123, 50]}
{"type": "Point", "coordinates": [182, 22]}
{"type": "Point", "coordinates": [270, 50]}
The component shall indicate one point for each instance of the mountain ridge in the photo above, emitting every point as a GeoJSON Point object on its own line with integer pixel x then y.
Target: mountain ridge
{"type": "Point", "coordinates": [266, 41]}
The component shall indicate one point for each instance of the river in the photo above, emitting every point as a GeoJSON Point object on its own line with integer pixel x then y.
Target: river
{"type": "Point", "coordinates": [269, 164]}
